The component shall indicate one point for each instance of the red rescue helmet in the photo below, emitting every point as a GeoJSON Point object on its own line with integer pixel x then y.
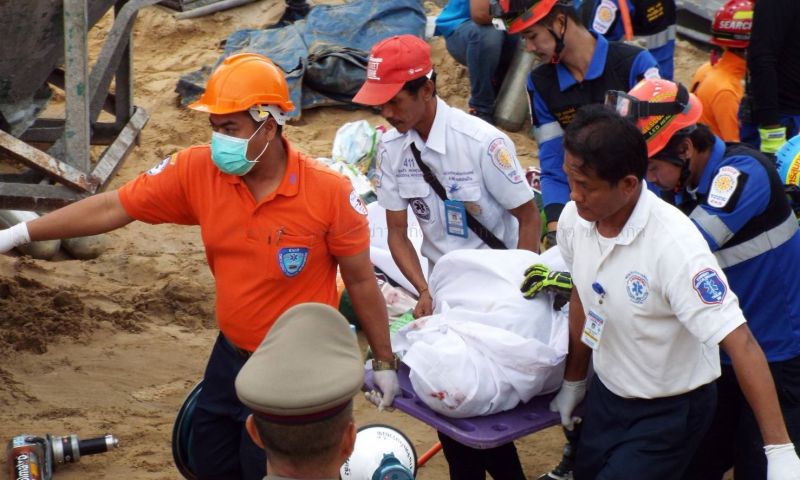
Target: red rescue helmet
{"type": "Point", "coordinates": [521, 14]}
{"type": "Point", "coordinates": [659, 108]}
{"type": "Point", "coordinates": [732, 24]}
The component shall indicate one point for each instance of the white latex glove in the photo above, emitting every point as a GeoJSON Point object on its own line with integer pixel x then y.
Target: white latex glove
{"type": "Point", "coordinates": [570, 395]}
{"type": "Point", "coordinates": [14, 237]}
{"type": "Point", "coordinates": [386, 381]}
{"type": "Point", "coordinates": [782, 462]}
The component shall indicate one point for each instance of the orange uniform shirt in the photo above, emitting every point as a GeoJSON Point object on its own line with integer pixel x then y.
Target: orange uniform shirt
{"type": "Point", "coordinates": [720, 89]}
{"type": "Point", "coordinates": [265, 256]}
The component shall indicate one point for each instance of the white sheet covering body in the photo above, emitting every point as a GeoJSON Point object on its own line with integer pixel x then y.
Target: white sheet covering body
{"type": "Point", "coordinates": [485, 348]}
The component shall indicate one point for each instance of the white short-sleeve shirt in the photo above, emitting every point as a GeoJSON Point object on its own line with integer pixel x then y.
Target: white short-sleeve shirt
{"type": "Point", "coordinates": [667, 303]}
{"type": "Point", "coordinates": [476, 164]}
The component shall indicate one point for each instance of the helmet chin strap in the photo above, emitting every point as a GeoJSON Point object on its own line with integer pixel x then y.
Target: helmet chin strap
{"type": "Point", "coordinates": [559, 43]}
{"type": "Point", "coordinates": [684, 176]}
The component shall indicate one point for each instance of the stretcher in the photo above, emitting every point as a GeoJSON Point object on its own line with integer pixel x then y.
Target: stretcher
{"type": "Point", "coordinates": [476, 432]}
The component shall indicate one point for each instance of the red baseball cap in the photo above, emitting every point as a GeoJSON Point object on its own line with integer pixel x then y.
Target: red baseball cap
{"type": "Point", "coordinates": [393, 62]}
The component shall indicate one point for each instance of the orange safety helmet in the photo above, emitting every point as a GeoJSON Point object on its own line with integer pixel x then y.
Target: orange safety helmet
{"type": "Point", "coordinates": [521, 14]}
{"type": "Point", "coordinates": [660, 108]}
{"type": "Point", "coordinates": [732, 24]}
{"type": "Point", "coordinates": [243, 81]}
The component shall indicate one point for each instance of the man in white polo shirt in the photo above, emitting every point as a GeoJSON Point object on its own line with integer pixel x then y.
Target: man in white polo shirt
{"type": "Point", "coordinates": [461, 177]}
{"type": "Point", "coordinates": [651, 305]}
{"type": "Point", "coordinates": [473, 162]}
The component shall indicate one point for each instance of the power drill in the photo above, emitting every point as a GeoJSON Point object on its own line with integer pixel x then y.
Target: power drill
{"type": "Point", "coordinates": [36, 458]}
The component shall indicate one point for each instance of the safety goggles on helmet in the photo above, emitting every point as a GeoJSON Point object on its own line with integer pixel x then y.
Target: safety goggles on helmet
{"type": "Point", "coordinates": [259, 113]}
{"type": "Point", "coordinates": [633, 108]}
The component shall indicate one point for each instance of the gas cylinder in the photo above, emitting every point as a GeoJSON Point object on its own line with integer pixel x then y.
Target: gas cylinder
{"type": "Point", "coordinates": [512, 106]}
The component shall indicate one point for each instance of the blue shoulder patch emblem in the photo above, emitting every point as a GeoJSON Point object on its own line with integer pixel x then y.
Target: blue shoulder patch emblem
{"type": "Point", "coordinates": [709, 286]}
{"type": "Point", "coordinates": [292, 260]}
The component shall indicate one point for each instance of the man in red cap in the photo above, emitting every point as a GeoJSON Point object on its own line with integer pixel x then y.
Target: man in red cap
{"type": "Point", "coordinates": [462, 180]}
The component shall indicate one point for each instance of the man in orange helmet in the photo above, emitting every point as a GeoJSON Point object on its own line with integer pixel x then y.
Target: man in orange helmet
{"type": "Point", "coordinates": [577, 68]}
{"type": "Point", "coordinates": [720, 86]}
{"type": "Point", "coordinates": [734, 196]}
{"type": "Point", "coordinates": [275, 225]}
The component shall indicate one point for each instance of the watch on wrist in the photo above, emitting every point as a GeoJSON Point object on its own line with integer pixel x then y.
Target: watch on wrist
{"type": "Point", "coordinates": [392, 364]}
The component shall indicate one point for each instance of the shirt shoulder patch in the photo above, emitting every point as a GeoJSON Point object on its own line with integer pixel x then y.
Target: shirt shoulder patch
{"type": "Point", "coordinates": [709, 287]}
{"type": "Point", "coordinates": [723, 186]}
{"type": "Point", "coordinates": [160, 166]}
{"type": "Point", "coordinates": [503, 160]}
{"type": "Point", "coordinates": [357, 203]}
{"type": "Point", "coordinates": [652, 73]}
{"type": "Point", "coordinates": [604, 16]}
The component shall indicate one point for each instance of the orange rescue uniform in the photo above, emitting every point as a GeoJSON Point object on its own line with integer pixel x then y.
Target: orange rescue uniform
{"type": "Point", "coordinates": [265, 256]}
{"type": "Point", "coordinates": [720, 89]}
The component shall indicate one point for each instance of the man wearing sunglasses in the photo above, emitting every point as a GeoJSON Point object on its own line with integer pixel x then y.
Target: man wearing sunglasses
{"type": "Point", "coordinates": [577, 68]}
{"type": "Point", "coordinates": [734, 196]}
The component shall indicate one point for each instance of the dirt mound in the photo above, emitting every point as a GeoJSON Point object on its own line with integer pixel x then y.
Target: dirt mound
{"type": "Point", "coordinates": [34, 314]}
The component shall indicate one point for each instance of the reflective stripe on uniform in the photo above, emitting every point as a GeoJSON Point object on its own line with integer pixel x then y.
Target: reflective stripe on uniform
{"type": "Point", "coordinates": [712, 225]}
{"type": "Point", "coordinates": [766, 241]}
{"type": "Point", "coordinates": [658, 39]}
{"type": "Point", "coordinates": [548, 131]}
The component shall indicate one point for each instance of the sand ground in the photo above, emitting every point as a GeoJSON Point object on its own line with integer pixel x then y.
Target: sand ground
{"type": "Point", "coordinates": [113, 345]}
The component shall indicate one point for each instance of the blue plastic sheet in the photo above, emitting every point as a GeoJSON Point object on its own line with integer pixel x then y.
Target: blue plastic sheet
{"type": "Point", "coordinates": [346, 31]}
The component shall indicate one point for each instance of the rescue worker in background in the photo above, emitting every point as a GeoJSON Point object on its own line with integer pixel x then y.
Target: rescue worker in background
{"type": "Point", "coordinates": [577, 68]}
{"type": "Point", "coordinates": [462, 180]}
{"type": "Point", "coordinates": [651, 306]}
{"type": "Point", "coordinates": [720, 86]}
{"type": "Point", "coordinates": [787, 160]}
{"type": "Point", "coordinates": [735, 198]}
{"type": "Point", "coordinates": [275, 226]}
{"type": "Point", "coordinates": [299, 384]}
{"type": "Point", "coordinates": [652, 22]}
{"type": "Point", "coordinates": [771, 107]}
{"type": "Point", "coordinates": [473, 41]}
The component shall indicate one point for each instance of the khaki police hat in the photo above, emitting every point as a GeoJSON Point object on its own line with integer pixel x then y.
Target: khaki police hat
{"type": "Point", "coordinates": [308, 367]}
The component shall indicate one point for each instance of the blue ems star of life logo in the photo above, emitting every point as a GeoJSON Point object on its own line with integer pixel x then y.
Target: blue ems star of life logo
{"type": "Point", "coordinates": [709, 286]}
{"type": "Point", "coordinates": [292, 260]}
{"type": "Point", "coordinates": [637, 286]}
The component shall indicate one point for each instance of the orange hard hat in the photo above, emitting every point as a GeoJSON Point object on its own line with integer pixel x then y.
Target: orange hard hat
{"type": "Point", "coordinates": [660, 108]}
{"type": "Point", "coordinates": [732, 24]}
{"type": "Point", "coordinates": [521, 14]}
{"type": "Point", "coordinates": [243, 81]}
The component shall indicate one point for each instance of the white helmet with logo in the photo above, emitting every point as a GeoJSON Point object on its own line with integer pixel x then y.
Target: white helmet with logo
{"type": "Point", "coordinates": [381, 452]}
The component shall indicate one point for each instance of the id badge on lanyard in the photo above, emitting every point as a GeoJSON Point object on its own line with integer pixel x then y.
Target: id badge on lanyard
{"type": "Point", "coordinates": [595, 320]}
{"type": "Point", "coordinates": [456, 216]}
